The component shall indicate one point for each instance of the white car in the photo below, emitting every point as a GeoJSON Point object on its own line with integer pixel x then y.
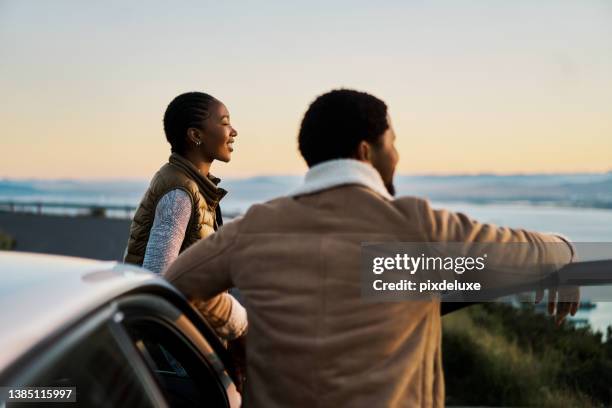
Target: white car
{"type": "Point", "coordinates": [103, 334]}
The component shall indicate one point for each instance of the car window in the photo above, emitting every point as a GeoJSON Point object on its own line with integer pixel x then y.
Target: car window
{"type": "Point", "coordinates": [99, 370]}
{"type": "Point", "coordinates": [185, 378]}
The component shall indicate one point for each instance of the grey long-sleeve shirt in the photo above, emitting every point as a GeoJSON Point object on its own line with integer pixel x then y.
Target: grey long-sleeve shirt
{"type": "Point", "coordinates": [165, 239]}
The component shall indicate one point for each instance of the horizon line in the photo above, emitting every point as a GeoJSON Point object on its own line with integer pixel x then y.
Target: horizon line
{"type": "Point", "coordinates": [269, 175]}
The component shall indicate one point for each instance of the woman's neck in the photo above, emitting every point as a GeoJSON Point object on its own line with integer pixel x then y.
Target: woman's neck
{"type": "Point", "coordinates": [202, 165]}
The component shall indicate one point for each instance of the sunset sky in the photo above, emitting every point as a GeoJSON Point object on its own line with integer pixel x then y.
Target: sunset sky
{"type": "Point", "coordinates": [472, 86]}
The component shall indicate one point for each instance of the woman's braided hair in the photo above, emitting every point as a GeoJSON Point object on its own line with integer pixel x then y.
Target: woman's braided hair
{"type": "Point", "coordinates": [188, 110]}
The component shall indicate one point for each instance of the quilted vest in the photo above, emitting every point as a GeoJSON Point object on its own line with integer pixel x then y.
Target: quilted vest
{"type": "Point", "coordinates": [178, 173]}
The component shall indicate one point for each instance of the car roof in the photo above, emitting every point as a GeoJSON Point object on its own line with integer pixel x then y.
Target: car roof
{"type": "Point", "coordinates": [42, 294]}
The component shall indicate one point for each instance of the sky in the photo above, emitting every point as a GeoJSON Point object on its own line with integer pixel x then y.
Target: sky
{"type": "Point", "coordinates": [471, 86]}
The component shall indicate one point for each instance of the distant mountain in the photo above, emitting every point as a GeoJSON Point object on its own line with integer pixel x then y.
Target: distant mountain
{"type": "Point", "coordinates": [8, 188]}
{"type": "Point", "coordinates": [569, 190]}
{"type": "Point", "coordinates": [576, 190]}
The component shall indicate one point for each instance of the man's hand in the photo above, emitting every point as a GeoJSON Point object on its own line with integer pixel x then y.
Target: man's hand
{"type": "Point", "coordinates": [566, 298]}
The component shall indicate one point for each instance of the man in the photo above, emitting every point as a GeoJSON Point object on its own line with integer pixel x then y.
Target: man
{"type": "Point", "coordinates": [313, 340]}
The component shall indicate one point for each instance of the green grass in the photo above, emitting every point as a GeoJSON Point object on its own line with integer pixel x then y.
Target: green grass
{"type": "Point", "coordinates": [498, 355]}
{"type": "Point", "coordinates": [6, 241]}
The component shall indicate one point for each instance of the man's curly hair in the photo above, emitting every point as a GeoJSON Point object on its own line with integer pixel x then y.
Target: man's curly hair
{"type": "Point", "coordinates": [336, 122]}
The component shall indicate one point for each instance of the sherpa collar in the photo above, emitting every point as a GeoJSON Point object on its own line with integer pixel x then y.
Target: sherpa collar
{"type": "Point", "coordinates": [339, 172]}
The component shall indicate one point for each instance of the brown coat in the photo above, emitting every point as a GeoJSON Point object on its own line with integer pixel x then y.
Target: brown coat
{"type": "Point", "coordinates": [312, 340]}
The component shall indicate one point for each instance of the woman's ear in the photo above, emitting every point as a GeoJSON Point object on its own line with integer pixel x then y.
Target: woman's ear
{"type": "Point", "coordinates": [364, 151]}
{"type": "Point", "coordinates": [194, 136]}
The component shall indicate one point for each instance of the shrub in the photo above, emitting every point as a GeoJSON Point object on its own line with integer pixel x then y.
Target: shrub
{"type": "Point", "coordinates": [6, 241]}
{"type": "Point", "coordinates": [99, 212]}
{"type": "Point", "coordinates": [498, 355]}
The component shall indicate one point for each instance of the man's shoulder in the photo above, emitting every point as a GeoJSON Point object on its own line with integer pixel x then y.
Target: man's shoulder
{"type": "Point", "coordinates": [404, 204]}
{"type": "Point", "coordinates": [289, 209]}
{"type": "Point", "coordinates": [275, 205]}
{"type": "Point", "coordinates": [409, 200]}
{"type": "Point", "coordinates": [410, 205]}
{"type": "Point", "coordinates": [262, 216]}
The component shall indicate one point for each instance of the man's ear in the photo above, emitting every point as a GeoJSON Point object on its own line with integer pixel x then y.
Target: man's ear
{"type": "Point", "coordinates": [364, 151]}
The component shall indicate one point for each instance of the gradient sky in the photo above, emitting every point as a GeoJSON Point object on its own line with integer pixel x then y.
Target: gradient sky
{"type": "Point", "coordinates": [472, 86]}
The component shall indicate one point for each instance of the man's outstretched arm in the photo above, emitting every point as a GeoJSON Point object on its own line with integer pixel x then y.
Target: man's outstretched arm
{"type": "Point", "coordinates": [202, 274]}
{"type": "Point", "coordinates": [547, 250]}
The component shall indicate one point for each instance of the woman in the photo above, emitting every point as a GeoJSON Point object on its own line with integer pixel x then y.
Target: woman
{"type": "Point", "coordinates": [181, 205]}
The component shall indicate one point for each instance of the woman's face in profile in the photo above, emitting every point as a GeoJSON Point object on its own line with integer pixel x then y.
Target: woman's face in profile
{"type": "Point", "coordinates": [218, 134]}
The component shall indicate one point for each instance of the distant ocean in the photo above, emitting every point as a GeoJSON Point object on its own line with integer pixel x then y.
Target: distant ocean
{"type": "Point", "coordinates": [577, 206]}
{"type": "Point", "coordinates": [565, 190]}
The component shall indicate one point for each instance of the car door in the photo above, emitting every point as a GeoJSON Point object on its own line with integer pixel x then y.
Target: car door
{"type": "Point", "coordinates": [180, 351]}
{"type": "Point", "coordinates": [93, 360]}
